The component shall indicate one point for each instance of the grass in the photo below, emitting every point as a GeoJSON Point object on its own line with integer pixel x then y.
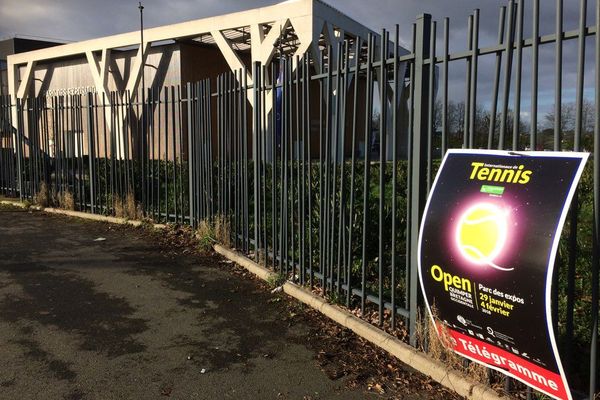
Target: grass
{"type": "Point", "coordinates": [223, 230]}
{"type": "Point", "coordinates": [205, 235]}
{"type": "Point", "coordinates": [334, 297]}
{"type": "Point", "coordinates": [67, 201]}
{"type": "Point", "coordinates": [276, 280]}
{"type": "Point", "coordinates": [128, 208]}
{"type": "Point", "coordinates": [42, 197]}
{"type": "Point", "coordinates": [435, 341]}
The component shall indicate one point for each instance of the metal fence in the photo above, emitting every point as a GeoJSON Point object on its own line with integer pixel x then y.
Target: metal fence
{"type": "Point", "coordinates": [320, 166]}
{"type": "Point", "coordinates": [106, 151]}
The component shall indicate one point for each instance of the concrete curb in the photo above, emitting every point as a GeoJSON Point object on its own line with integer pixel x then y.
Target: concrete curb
{"type": "Point", "coordinates": [250, 265]}
{"type": "Point", "coordinates": [93, 217]}
{"type": "Point", "coordinates": [13, 203]}
{"type": "Point", "coordinates": [79, 214]}
{"type": "Point", "coordinates": [408, 355]}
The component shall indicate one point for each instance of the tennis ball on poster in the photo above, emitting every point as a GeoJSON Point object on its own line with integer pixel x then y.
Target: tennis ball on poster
{"type": "Point", "coordinates": [481, 233]}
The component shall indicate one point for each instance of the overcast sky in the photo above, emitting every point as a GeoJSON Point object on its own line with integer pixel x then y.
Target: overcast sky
{"type": "Point", "coordinates": [74, 20]}
{"type": "Point", "coordinates": [85, 19]}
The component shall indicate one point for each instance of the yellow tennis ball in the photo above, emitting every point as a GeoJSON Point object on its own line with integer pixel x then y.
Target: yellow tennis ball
{"type": "Point", "coordinates": [481, 232]}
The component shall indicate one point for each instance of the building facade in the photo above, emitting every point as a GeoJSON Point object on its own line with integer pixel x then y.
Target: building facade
{"type": "Point", "coordinates": [174, 55]}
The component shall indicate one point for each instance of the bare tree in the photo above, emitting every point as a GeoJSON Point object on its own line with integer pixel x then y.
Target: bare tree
{"type": "Point", "coordinates": [568, 117]}
{"type": "Point", "coordinates": [456, 126]}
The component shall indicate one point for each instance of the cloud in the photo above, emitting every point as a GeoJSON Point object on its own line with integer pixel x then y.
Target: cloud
{"type": "Point", "coordinates": [85, 19]}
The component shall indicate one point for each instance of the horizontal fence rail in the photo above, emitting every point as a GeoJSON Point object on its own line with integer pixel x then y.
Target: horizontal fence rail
{"type": "Point", "coordinates": [320, 166]}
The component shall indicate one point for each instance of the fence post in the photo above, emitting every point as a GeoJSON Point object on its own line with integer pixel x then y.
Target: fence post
{"type": "Point", "coordinates": [191, 156]}
{"type": "Point", "coordinates": [419, 158]}
{"type": "Point", "coordinates": [91, 136]}
{"type": "Point", "coordinates": [255, 121]}
{"type": "Point", "coordinates": [596, 214]}
{"type": "Point", "coordinates": [18, 147]}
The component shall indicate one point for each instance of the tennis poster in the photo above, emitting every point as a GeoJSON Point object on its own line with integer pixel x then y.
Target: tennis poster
{"type": "Point", "coordinates": [487, 246]}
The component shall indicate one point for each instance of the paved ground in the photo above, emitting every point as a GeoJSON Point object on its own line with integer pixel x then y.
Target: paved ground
{"type": "Point", "coordinates": [122, 318]}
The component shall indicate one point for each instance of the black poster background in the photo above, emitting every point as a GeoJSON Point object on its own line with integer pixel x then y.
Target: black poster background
{"type": "Point", "coordinates": [534, 210]}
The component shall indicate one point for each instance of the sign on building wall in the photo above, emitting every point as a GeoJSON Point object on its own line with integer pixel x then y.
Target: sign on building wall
{"type": "Point", "coordinates": [69, 91]}
{"type": "Point", "coordinates": [487, 247]}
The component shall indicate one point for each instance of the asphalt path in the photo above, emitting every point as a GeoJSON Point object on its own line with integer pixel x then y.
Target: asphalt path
{"type": "Point", "coordinates": [93, 311]}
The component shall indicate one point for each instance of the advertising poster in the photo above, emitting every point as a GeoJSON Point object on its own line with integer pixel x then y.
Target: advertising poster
{"type": "Point", "coordinates": [487, 246]}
